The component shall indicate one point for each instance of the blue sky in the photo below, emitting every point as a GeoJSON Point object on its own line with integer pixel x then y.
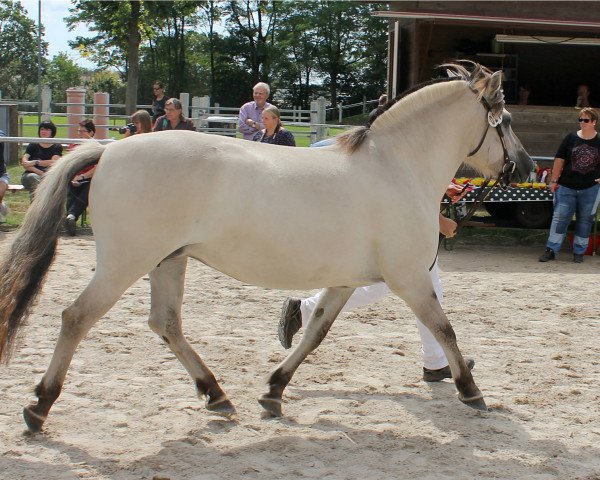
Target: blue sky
{"type": "Point", "coordinates": [56, 32]}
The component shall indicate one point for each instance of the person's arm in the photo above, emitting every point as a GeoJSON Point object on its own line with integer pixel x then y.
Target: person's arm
{"type": "Point", "coordinates": [246, 125]}
{"type": "Point", "coordinates": [557, 168]}
{"type": "Point", "coordinates": [28, 163]}
{"type": "Point", "coordinates": [80, 179]}
{"type": "Point", "coordinates": [158, 126]}
{"type": "Point", "coordinates": [447, 226]}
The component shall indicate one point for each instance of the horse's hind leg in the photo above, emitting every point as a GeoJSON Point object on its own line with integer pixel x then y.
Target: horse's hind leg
{"type": "Point", "coordinates": [98, 297]}
{"type": "Point", "coordinates": [421, 298]}
{"type": "Point", "coordinates": [167, 285]}
{"type": "Point", "coordinates": [326, 311]}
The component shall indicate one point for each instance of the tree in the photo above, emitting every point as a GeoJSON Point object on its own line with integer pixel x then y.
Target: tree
{"type": "Point", "coordinates": [117, 41]}
{"type": "Point", "coordinates": [296, 57]}
{"type": "Point", "coordinates": [337, 25]}
{"type": "Point", "coordinates": [62, 73]}
{"type": "Point", "coordinates": [252, 25]}
{"type": "Point", "coordinates": [18, 44]}
{"type": "Point", "coordinates": [168, 28]}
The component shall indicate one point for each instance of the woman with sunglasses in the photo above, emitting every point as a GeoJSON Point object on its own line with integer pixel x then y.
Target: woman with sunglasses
{"type": "Point", "coordinates": [158, 104]}
{"type": "Point", "coordinates": [575, 183]}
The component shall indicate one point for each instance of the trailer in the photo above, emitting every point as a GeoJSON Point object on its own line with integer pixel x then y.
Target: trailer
{"type": "Point", "coordinates": [527, 206]}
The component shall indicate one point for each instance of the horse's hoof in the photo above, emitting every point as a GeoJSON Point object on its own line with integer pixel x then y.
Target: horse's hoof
{"type": "Point", "coordinates": [478, 403]}
{"type": "Point", "coordinates": [272, 406]}
{"type": "Point", "coordinates": [222, 406]}
{"type": "Point", "coordinates": [33, 420]}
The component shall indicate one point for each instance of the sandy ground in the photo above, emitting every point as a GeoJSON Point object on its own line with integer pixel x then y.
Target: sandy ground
{"type": "Point", "coordinates": [356, 409]}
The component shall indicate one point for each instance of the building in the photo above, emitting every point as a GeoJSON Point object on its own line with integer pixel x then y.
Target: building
{"type": "Point", "coordinates": [548, 48]}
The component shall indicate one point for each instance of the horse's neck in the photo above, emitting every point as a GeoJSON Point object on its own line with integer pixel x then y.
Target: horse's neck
{"type": "Point", "coordinates": [437, 138]}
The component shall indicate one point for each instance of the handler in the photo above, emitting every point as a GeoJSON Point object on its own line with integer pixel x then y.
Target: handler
{"type": "Point", "coordinates": [296, 312]}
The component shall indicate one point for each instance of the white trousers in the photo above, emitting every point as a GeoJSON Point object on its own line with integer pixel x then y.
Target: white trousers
{"type": "Point", "coordinates": [433, 355]}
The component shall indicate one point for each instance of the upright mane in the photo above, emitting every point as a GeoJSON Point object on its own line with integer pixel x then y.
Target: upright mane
{"type": "Point", "coordinates": [476, 76]}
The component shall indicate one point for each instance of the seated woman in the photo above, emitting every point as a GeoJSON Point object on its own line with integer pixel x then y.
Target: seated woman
{"type": "Point", "coordinates": [142, 121]}
{"type": "Point", "coordinates": [79, 188]}
{"type": "Point", "coordinates": [173, 119]}
{"type": "Point", "coordinates": [39, 157]}
{"type": "Point", "coordinates": [274, 132]}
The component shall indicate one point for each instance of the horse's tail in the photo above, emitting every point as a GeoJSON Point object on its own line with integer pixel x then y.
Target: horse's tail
{"type": "Point", "coordinates": [24, 267]}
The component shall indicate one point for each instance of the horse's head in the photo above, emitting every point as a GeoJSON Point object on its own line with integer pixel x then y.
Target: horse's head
{"type": "Point", "coordinates": [497, 152]}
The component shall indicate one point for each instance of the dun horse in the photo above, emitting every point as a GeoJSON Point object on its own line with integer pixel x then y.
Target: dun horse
{"type": "Point", "coordinates": [361, 211]}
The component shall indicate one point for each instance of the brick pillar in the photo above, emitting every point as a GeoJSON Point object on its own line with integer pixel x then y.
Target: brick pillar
{"type": "Point", "coordinates": [101, 112]}
{"type": "Point", "coordinates": [75, 109]}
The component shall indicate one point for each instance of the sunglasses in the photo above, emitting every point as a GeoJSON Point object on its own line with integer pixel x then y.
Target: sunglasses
{"type": "Point", "coordinates": [585, 120]}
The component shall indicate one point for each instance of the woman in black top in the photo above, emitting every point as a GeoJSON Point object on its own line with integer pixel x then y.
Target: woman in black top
{"type": "Point", "coordinates": [274, 132]}
{"type": "Point", "coordinates": [39, 157]}
{"type": "Point", "coordinates": [575, 183]}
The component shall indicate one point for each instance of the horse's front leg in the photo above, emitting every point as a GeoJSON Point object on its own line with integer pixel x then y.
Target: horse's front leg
{"type": "Point", "coordinates": [421, 298]}
{"type": "Point", "coordinates": [326, 311]}
{"type": "Point", "coordinates": [167, 283]}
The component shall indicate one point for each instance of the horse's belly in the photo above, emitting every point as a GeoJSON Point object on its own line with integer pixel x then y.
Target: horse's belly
{"type": "Point", "coordinates": [285, 270]}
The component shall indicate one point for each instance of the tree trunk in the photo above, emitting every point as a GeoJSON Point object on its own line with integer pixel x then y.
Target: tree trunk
{"type": "Point", "coordinates": [133, 58]}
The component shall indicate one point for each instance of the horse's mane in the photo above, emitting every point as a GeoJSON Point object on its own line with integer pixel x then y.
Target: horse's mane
{"type": "Point", "coordinates": [473, 73]}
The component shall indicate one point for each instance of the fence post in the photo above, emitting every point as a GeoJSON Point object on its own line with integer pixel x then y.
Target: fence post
{"type": "Point", "coordinates": [200, 109]}
{"type": "Point", "coordinates": [341, 112]}
{"type": "Point", "coordinates": [317, 119]}
{"type": "Point", "coordinates": [101, 112]}
{"type": "Point", "coordinates": [46, 102]}
{"type": "Point", "coordinates": [185, 103]}
{"type": "Point", "coordinates": [75, 109]}
{"type": "Point", "coordinates": [217, 108]}
{"type": "Point", "coordinates": [364, 104]}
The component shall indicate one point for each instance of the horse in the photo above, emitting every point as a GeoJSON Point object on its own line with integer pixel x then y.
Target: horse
{"type": "Point", "coordinates": [360, 211]}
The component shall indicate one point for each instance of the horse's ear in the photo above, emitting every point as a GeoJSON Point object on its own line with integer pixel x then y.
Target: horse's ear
{"type": "Point", "coordinates": [494, 84]}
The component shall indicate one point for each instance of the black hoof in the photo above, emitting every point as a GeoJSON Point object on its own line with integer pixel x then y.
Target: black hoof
{"type": "Point", "coordinates": [272, 406]}
{"type": "Point", "coordinates": [222, 406]}
{"type": "Point", "coordinates": [33, 420]}
{"type": "Point", "coordinates": [477, 403]}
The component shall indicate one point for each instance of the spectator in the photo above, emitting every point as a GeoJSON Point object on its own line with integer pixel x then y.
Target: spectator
{"type": "Point", "coordinates": [524, 92]}
{"type": "Point", "coordinates": [142, 122]}
{"type": "Point", "coordinates": [39, 157]}
{"type": "Point", "coordinates": [158, 104]}
{"type": "Point", "coordinates": [4, 180]}
{"type": "Point", "coordinates": [250, 117]}
{"type": "Point", "coordinates": [575, 184]}
{"type": "Point", "coordinates": [79, 188]}
{"type": "Point", "coordinates": [173, 119]}
{"type": "Point", "coordinates": [583, 96]}
{"type": "Point", "coordinates": [274, 132]}
{"type": "Point", "coordinates": [382, 101]}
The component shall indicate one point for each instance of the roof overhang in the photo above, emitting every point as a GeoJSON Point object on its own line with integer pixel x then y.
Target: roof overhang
{"type": "Point", "coordinates": [480, 19]}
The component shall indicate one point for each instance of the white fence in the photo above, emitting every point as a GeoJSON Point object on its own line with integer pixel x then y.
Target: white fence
{"type": "Point", "coordinates": [207, 118]}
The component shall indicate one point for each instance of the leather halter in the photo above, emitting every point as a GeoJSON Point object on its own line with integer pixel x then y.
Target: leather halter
{"type": "Point", "coordinates": [508, 167]}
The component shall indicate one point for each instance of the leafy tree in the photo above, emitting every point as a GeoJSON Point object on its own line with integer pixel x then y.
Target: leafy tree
{"type": "Point", "coordinates": [62, 73]}
{"type": "Point", "coordinates": [168, 28]}
{"type": "Point", "coordinates": [106, 81]}
{"type": "Point", "coordinates": [117, 39]}
{"type": "Point", "coordinates": [338, 45]}
{"type": "Point", "coordinates": [252, 25]}
{"type": "Point", "coordinates": [19, 47]}
{"type": "Point", "coordinates": [296, 59]}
